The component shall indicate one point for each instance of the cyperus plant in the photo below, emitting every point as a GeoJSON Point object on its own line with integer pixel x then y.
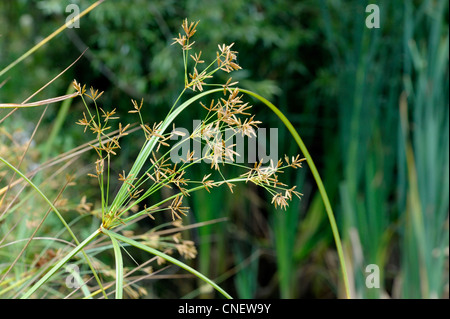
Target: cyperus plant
{"type": "Point", "coordinates": [152, 170]}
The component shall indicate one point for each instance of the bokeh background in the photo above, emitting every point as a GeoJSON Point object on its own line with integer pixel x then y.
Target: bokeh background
{"type": "Point", "coordinates": [371, 105]}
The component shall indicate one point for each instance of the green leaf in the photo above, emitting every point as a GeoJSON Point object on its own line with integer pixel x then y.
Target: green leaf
{"type": "Point", "coordinates": [166, 257]}
{"type": "Point", "coordinates": [61, 263]}
{"type": "Point", "coordinates": [119, 268]}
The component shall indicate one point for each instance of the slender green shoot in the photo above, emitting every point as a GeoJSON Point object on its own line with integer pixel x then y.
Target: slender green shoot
{"type": "Point", "coordinates": [155, 252]}
{"type": "Point", "coordinates": [60, 264]}
{"type": "Point", "coordinates": [119, 268]}
{"type": "Point", "coordinates": [319, 183]}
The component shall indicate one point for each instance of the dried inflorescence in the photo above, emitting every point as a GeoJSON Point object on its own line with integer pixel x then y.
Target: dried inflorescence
{"type": "Point", "coordinates": [229, 112]}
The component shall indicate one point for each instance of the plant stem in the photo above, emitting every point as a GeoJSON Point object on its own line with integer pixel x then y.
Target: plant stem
{"type": "Point", "coordinates": [318, 180]}
{"type": "Point", "coordinates": [60, 264]}
{"type": "Point", "coordinates": [166, 257]}
{"type": "Point", "coordinates": [56, 212]}
{"type": "Point", "coordinates": [119, 268]}
{"type": "Point", "coordinates": [48, 38]}
{"type": "Point", "coordinates": [145, 152]}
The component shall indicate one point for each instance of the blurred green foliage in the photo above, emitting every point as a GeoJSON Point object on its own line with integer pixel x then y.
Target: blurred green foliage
{"type": "Point", "coordinates": [339, 83]}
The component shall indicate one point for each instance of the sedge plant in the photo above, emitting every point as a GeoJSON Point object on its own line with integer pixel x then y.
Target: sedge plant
{"type": "Point", "coordinates": [153, 169]}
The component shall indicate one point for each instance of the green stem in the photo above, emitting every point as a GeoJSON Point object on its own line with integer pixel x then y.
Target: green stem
{"type": "Point", "coordinates": [59, 265]}
{"type": "Point", "coordinates": [318, 180]}
{"type": "Point", "coordinates": [150, 145]}
{"type": "Point", "coordinates": [48, 38]}
{"type": "Point", "coordinates": [119, 268]}
{"type": "Point", "coordinates": [166, 257]}
{"type": "Point", "coordinates": [18, 172]}
{"type": "Point", "coordinates": [42, 195]}
{"type": "Point", "coordinates": [148, 148]}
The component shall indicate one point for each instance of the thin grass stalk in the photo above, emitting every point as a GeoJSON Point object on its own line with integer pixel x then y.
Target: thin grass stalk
{"type": "Point", "coordinates": [61, 263]}
{"type": "Point", "coordinates": [56, 212]}
{"type": "Point", "coordinates": [77, 277]}
{"type": "Point", "coordinates": [119, 267]}
{"type": "Point", "coordinates": [48, 38]}
{"type": "Point", "coordinates": [319, 183]}
{"type": "Point", "coordinates": [148, 147]}
{"type": "Point", "coordinates": [59, 121]}
{"type": "Point", "coordinates": [32, 235]}
{"type": "Point", "coordinates": [166, 257]}
{"type": "Point", "coordinates": [42, 195]}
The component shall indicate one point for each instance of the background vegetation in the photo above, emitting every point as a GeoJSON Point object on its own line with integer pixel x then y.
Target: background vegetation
{"type": "Point", "coordinates": [370, 104]}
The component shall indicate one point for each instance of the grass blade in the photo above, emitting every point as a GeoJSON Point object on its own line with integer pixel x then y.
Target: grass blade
{"type": "Point", "coordinates": [48, 38]}
{"type": "Point", "coordinates": [55, 268]}
{"type": "Point", "coordinates": [119, 268]}
{"type": "Point", "coordinates": [166, 257]}
{"type": "Point", "coordinates": [318, 180]}
{"type": "Point", "coordinates": [56, 212]}
{"type": "Point", "coordinates": [146, 151]}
